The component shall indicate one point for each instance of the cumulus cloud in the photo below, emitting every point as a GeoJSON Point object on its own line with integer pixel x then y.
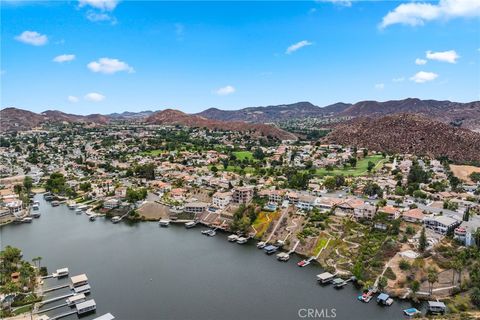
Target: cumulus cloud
{"type": "Point", "coordinates": [105, 5]}
{"type": "Point", "coordinates": [423, 76]}
{"type": "Point", "coordinates": [94, 97]}
{"type": "Point", "coordinates": [64, 58]}
{"type": "Point", "coordinates": [73, 99]}
{"type": "Point", "coordinates": [449, 56]}
{"type": "Point", "coordinates": [109, 66]}
{"type": "Point", "coordinates": [32, 37]}
{"type": "Point", "coordinates": [224, 91]}
{"type": "Point", "coordinates": [379, 86]}
{"type": "Point", "coordinates": [416, 14]}
{"type": "Point", "coordinates": [420, 62]}
{"type": "Point", "coordinates": [296, 46]}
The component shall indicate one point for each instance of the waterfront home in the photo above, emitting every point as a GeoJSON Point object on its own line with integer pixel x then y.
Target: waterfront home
{"type": "Point", "coordinates": [80, 280]}
{"type": "Point", "coordinates": [306, 202]}
{"type": "Point", "coordinates": [221, 199]}
{"type": "Point", "coordinates": [195, 207]}
{"type": "Point", "coordinates": [365, 211]}
{"type": "Point", "coordinates": [413, 215]}
{"type": "Point", "coordinates": [242, 195]}
{"type": "Point", "coordinates": [391, 212]}
{"type": "Point", "coordinates": [111, 204]}
{"type": "Point", "coordinates": [441, 224]}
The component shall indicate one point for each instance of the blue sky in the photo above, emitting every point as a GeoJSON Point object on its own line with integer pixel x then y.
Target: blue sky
{"type": "Point", "coordinates": [102, 56]}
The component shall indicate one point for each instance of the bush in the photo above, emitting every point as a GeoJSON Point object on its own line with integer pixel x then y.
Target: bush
{"type": "Point", "coordinates": [404, 265]}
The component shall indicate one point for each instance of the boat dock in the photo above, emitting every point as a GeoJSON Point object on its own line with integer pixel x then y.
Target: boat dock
{"type": "Point", "coordinates": [62, 315]}
{"type": "Point", "coordinates": [51, 308]}
{"type": "Point", "coordinates": [42, 303]}
{"type": "Point", "coordinates": [56, 288]}
{"type": "Point", "coordinates": [294, 248]}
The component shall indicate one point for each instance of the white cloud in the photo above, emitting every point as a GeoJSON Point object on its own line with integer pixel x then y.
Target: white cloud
{"type": "Point", "coordinates": [420, 62]}
{"type": "Point", "coordinates": [399, 79]}
{"type": "Point", "coordinates": [416, 14]}
{"type": "Point", "coordinates": [449, 56]}
{"type": "Point", "coordinates": [423, 76]}
{"type": "Point", "coordinates": [105, 5]}
{"type": "Point", "coordinates": [64, 58]}
{"type": "Point", "coordinates": [97, 17]}
{"type": "Point", "coordinates": [224, 91]}
{"type": "Point", "coordinates": [379, 86]}
{"type": "Point", "coordinates": [94, 96]}
{"type": "Point", "coordinates": [345, 3]}
{"type": "Point", "coordinates": [73, 99]}
{"type": "Point", "coordinates": [109, 66]}
{"type": "Point", "coordinates": [296, 46]}
{"type": "Point", "coordinates": [32, 37]}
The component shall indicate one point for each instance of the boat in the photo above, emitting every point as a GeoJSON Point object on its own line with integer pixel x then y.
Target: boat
{"type": "Point", "coordinates": [116, 219]}
{"type": "Point", "coordinates": [232, 238]}
{"type": "Point", "coordinates": [339, 283]}
{"type": "Point", "coordinates": [26, 220]}
{"type": "Point", "coordinates": [211, 233]}
{"type": "Point", "coordinates": [190, 224]}
{"type": "Point", "coordinates": [283, 256]}
{"type": "Point", "coordinates": [60, 273]}
{"type": "Point", "coordinates": [79, 210]}
{"type": "Point", "coordinates": [242, 240]}
{"type": "Point", "coordinates": [366, 296]}
{"type": "Point", "coordinates": [35, 207]}
{"type": "Point", "coordinates": [303, 263]}
{"type": "Point", "coordinates": [55, 203]}
{"type": "Point", "coordinates": [72, 206]}
{"type": "Point", "coordinates": [164, 222]}
{"type": "Point", "coordinates": [261, 245]}
{"type": "Point", "coordinates": [77, 298]}
{"type": "Point", "coordinates": [92, 217]}
{"type": "Point", "coordinates": [411, 312]}
{"type": "Point", "coordinates": [270, 249]}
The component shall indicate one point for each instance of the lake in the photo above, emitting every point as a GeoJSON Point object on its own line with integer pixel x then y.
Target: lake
{"type": "Point", "coordinates": [142, 271]}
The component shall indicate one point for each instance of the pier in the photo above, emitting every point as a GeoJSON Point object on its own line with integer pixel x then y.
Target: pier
{"type": "Point", "coordinates": [294, 247]}
{"type": "Point", "coordinates": [55, 288]}
{"type": "Point", "coordinates": [51, 308]}
{"type": "Point", "coordinates": [42, 303]}
{"type": "Point", "coordinates": [63, 315]}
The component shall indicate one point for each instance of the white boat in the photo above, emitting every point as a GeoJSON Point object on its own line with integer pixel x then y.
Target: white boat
{"type": "Point", "coordinates": [283, 256]}
{"type": "Point", "coordinates": [261, 245]}
{"type": "Point", "coordinates": [26, 220]}
{"type": "Point", "coordinates": [232, 238]}
{"type": "Point", "coordinates": [35, 214]}
{"type": "Point", "coordinates": [72, 206]}
{"type": "Point", "coordinates": [116, 219]}
{"type": "Point", "coordinates": [164, 222]}
{"type": "Point", "coordinates": [190, 224]}
{"type": "Point", "coordinates": [63, 272]}
{"type": "Point", "coordinates": [35, 207]}
{"type": "Point", "coordinates": [92, 217]}
{"type": "Point", "coordinates": [242, 240]}
{"type": "Point", "coordinates": [78, 210]}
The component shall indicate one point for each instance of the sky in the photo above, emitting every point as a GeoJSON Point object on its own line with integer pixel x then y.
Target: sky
{"type": "Point", "coordinates": [104, 56]}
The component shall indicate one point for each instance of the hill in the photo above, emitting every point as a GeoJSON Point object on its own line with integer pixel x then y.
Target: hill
{"type": "Point", "coordinates": [175, 117]}
{"type": "Point", "coordinates": [409, 133]}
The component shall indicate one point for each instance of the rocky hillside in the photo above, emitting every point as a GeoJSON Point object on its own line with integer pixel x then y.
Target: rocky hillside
{"type": "Point", "coordinates": [273, 113]}
{"type": "Point", "coordinates": [13, 119]}
{"type": "Point", "coordinates": [466, 115]}
{"type": "Point", "coordinates": [175, 117]}
{"type": "Point", "coordinates": [409, 133]}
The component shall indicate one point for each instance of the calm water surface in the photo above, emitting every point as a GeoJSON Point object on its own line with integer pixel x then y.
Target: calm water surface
{"type": "Point", "coordinates": [142, 271]}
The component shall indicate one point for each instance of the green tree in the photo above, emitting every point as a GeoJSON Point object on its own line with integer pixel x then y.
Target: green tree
{"type": "Point", "coordinates": [475, 176]}
{"type": "Point", "coordinates": [330, 183]}
{"type": "Point", "coordinates": [28, 183]}
{"type": "Point", "coordinates": [414, 287]}
{"type": "Point", "coordinates": [475, 296]}
{"type": "Point", "coordinates": [422, 241]}
{"type": "Point", "coordinates": [370, 166]}
{"type": "Point", "coordinates": [432, 278]}
{"type": "Point", "coordinates": [382, 283]}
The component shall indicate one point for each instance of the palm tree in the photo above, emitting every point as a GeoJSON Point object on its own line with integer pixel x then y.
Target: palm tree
{"type": "Point", "coordinates": [432, 278]}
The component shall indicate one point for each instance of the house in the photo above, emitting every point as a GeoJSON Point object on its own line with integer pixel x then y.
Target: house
{"type": "Point", "coordinates": [365, 211]}
{"type": "Point", "coordinates": [111, 203]}
{"type": "Point", "coordinates": [196, 207]}
{"type": "Point", "coordinates": [465, 232]}
{"type": "Point", "coordinates": [221, 199]}
{"type": "Point", "coordinates": [391, 212]}
{"type": "Point", "coordinates": [178, 194]}
{"type": "Point", "coordinates": [347, 207]}
{"type": "Point", "coordinates": [242, 194]}
{"type": "Point", "coordinates": [413, 215]}
{"type": "Point", "coordinates": [441, 224]}
{"type": "Point", "coordinates": [306, 202]}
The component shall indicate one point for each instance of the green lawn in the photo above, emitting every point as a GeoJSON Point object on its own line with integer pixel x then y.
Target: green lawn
{"type": "Point", "coordinates": [152, 152]}
{"type": "Point", "coordinates": [242, 155]}
{"type": "Point", "coordinates": [320, 244]}
{"type": "Point", "coordinates": [359, 170]}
